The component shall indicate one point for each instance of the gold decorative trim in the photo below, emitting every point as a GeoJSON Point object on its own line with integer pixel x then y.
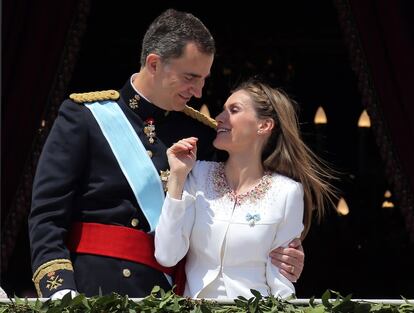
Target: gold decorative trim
{"type": "Point", "coordinates": [95, 96]}
{"type": "Point", "coordinates": [51, 266]}
{"type": "Point", "coordinates": [200, 117]}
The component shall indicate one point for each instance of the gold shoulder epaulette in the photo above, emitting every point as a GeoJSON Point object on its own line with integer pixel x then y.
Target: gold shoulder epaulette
{"type": "Point", "coordinates": [95, 96]}
{"type": "Point", "coordinates": [200, 117]}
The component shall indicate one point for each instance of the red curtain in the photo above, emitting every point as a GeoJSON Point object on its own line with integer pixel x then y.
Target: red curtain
{"type": "Point", "coordinates": [40, 43]}
{"type": "Point", "coordinates": [380, 38]}
{"type": "Point", "coordinates": [34, 35]}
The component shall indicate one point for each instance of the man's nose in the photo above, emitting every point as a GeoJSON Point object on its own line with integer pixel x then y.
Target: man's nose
{"type": "Point", "coordinates": [197, 89]}
{"type": "Point", "coordinates": [197, 92]}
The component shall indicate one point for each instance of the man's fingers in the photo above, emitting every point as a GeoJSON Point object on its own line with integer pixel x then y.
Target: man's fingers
{"type": "Point", "coordinates": [296, 243]}
{"type": "Point", "coordinates": [289, 252]}
{"type": "Point", "coordinates": [290, 260]}
{"type": "Point", "coordinates": [291, 272]}
{"type": "Point", "coordinates": [285, 259]}
{"type": "Point", "coordinates": [293, 278]}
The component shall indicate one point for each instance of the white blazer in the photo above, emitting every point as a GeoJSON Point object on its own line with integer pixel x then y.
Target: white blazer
{"type": "Point", "coordinates": [228, 240]}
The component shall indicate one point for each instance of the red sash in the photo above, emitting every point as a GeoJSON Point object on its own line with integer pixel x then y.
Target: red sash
{"type": "Point", "coordinates": [122, 243]}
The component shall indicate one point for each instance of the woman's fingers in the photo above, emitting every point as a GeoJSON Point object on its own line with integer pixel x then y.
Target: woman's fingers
{"type": "Point", "coordinates": [185, 145]}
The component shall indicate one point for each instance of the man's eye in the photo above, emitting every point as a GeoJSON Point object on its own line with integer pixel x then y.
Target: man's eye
{"type": "Point", "coordinates": [188, 78]}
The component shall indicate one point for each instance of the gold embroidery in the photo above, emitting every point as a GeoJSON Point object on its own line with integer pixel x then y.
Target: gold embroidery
{"type": "Point", "coordinates": [95, 96]}
{"type": "Point", "coordinates": [164, 175]}
{"type": "Point", "coordinates": [133, 102]}
{"type": "Point", "coordinates": [200, 117]}
{"type": "Point", "coordinates": [49, 268]}
{"type": "Point", "coordinates": [54, 282]}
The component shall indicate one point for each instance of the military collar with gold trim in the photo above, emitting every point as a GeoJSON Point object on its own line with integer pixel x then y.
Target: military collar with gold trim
{"type": "Point", "coordinates": [140, 105]}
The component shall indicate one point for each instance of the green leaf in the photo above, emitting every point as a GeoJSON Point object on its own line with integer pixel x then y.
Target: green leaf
{"type": "Point", "coordinates": [67, 298]}
{"type": "Point", "coordinates": [257, 294]}
{"type": "Point", "coordinates": [156, 289]}
{"type": "Point", "coordinates": [362, 308]}
{"type": "Point", "coordinates": [325, 299]}
{"type": "Point", "coordinates": [171, 303]}
{"type": "Point", "coordinates": [316, 309]}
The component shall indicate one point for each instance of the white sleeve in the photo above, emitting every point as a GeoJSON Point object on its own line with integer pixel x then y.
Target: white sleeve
{"type": "Point", "coordinates": [289, 228]}
{"type": "Point", "coordinates": [3, 294]}
{"type": "Point", "coordinates": [172, 234]}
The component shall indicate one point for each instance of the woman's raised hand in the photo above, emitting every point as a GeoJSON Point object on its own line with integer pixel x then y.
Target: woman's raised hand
{"type": "Point", "coordinates": [182, 156]}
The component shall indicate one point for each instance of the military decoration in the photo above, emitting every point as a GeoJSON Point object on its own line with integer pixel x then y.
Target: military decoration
{"type": "Point", "coordinates": [149, 129]}
{"type": "Point", "coordinates": [54, 281]}
{"type": "Point", "coordinates": [133, 102]}
{"type": "Point", "coordinates": [164, 175]}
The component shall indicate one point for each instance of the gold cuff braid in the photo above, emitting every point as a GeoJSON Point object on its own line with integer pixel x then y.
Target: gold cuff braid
{"type": "Point", "coordinates": [51, 266]}
{"type": "Point", "coordinates": [200, 117]}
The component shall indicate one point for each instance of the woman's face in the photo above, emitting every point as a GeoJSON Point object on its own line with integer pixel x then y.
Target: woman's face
{"type": "Point", "coordinates": [237, 124]}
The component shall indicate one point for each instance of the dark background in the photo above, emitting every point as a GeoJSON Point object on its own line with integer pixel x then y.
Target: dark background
{"type": "Point", "coordinates": [296, 45]}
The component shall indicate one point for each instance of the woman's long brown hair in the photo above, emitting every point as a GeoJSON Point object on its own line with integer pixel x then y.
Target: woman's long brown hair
{"type": "Point", "coordinates": [287, 154]}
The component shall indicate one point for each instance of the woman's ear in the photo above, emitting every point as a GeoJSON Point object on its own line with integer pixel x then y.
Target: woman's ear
{"type": "Point", "coordinates": [266, 126]}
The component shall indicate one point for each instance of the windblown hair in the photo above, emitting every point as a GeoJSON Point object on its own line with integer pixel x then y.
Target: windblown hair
{"type": "Point", "coordinates": [286, 153]}
{"type": "Point", "coordinates": [169, 33]}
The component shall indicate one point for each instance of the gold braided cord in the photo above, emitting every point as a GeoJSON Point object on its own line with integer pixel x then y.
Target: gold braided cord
{"type": "Point", "coordinates": [114, 95]}
{"type": "Point", "coordinates": [51, 266]}
{"type": "Point", "coordinates": [200, 117]}
{"type": "Point", "coordinates": [95, 96]}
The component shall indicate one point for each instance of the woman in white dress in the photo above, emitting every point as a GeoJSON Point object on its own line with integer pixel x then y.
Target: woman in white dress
{"type": "Point", "coordinates": [226, 217]}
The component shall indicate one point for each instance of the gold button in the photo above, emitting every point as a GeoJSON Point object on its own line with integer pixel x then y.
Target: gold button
{"type": "Point", "coordinates": [126, 272]}
{"type": "Point", "coordinates": [134, 222]}
{"type": "Point", "coordinates": [149, 153]}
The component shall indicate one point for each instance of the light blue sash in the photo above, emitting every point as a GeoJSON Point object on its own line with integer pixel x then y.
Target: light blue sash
{"type": "Point", "coordinates": [132, 157]}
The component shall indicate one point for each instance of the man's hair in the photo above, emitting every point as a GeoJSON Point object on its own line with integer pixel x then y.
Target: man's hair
{"type": "Point", "coordinates": [169, 33]}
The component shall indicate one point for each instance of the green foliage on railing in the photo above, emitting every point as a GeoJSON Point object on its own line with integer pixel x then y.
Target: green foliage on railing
{"type": "Point", "coordinates": [168, 302]}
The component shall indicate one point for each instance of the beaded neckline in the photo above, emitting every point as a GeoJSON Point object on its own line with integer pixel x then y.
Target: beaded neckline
{"type": "Point", "coordinates": [221, 186]}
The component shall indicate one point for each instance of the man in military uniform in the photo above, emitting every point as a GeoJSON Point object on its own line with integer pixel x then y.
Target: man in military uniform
{"type": "Point", "coordinates": [91, 219]}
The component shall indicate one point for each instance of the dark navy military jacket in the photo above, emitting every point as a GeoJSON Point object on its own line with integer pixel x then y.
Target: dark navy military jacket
{"type": "Point", "coordinates": [79, 179]}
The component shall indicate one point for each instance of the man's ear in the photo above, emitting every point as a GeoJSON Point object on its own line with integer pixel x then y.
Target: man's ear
{"type": "Point", "coordinates": [152, 62]}
{"type": "Point", "coordinates": [266, 126]}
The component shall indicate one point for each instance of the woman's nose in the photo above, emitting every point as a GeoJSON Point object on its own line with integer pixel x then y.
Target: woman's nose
{"type": "Point", "coordinates": [220, 117]}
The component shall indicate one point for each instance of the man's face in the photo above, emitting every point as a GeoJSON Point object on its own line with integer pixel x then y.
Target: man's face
{"type": "Point", "coordinates": [177, 80]}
